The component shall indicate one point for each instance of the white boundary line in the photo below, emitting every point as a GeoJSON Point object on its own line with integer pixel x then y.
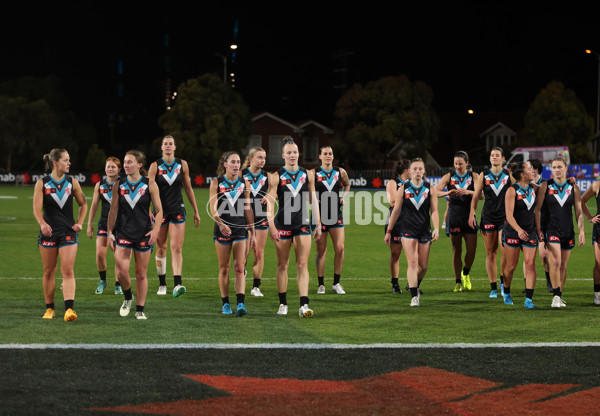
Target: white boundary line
{"type": "Point", "coordinates": [309, 346]}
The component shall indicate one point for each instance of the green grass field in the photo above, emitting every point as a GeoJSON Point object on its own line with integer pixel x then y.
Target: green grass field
{"type": "Point", "coordinates": [363, 353]}
{"type": "Point", "coordinates": [368, 313]}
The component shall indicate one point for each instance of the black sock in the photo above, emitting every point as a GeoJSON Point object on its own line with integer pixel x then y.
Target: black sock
{"type": "Point", "coordinates": [507, 290]}
{"type": "Point", "coordinates": [303, 300]}
{"type": "Point", "coordinates": [69, 303]}
{"type": "Point", "coordinates": [596, 288]}
{"type": "Point", "coordinates": [466, 270]}
{"type": "Point", "coordinates": [556, 291]}
{"type": "Point", "coordinates": [225, 300]}
{"type": "Point", "coordinates": [336, 279]}
{"type": "Point", "coordinates": [128, 294]}
{"type": "Point", "coordinates": [49, 305]}
{"type": "Point", "coordinates": [117, 284]}
{"type": "Point", "coordinates": [419, 282]}
{"type": "Point", "coordinates": [547, 277]}
{"type": "Point", "coordinates": [283, 298]}
{"type": "Point", "coordinates": [321, 280]}
{"type": "Point", "coordinates": [240, 298]}
{"type": "Point", "coordinates": [139, 308]}
{"type": "Point", "coordinates": [529, 293]}
{"type": "Point", "coordinates": [394, 281]}
{"type": "Point", "coordinates": [414, 291]}
{"type": "Point", "coordinates": [177, 280]}
{"type": "Point", "coordinates": [102, 274]}
{"type": "Point", "coordinates": [501, 279]}
{"type": "Point", "coordinates": [494, 285]}
{"type": "Point", "coordinates": [458, 280]}
{"type": "Point", "coordinates": [162, 280]}
{"type": "Point", "coordinates": [256, 282]}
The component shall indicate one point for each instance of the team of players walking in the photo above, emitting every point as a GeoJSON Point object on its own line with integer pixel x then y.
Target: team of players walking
{"type": "Point", "coordinates": [521, 214]}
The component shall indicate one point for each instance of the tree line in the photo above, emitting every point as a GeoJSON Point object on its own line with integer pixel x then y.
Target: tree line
{"type": "Point", "coordinates": [209, 117]}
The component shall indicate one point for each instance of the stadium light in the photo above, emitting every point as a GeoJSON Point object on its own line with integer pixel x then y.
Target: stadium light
{"type": "Point", "coordinates": [591, 52]}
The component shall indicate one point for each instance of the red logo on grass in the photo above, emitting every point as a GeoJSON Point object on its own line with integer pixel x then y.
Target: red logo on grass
{"type": "Point", "coordinates": [420, 390]}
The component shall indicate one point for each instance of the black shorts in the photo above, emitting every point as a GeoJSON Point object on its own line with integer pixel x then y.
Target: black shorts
{"type": "Point", "coordinates": [596, 234]}
{"type": "Point", "coordinates": [566, 243]}
{"type": "Point", "coordinates": [58, 240]}
{"type": "Point", "coordinates": [138, 245]}
{"type": "Point", "coordinates": [489, 225]}
{"type": "Point", "coordinates": [174, 218]}
{"type": "Point", "coordinates": [237, 234]}
{"type": "Point", "coordinates": [511, 238]}
{"type": "Point", "coordinates": [289, 233]}
{"type": "Point", "coordinates": [102, 229]}
{"type": "Point", "coordinates": [423, 236]}
{"type": "Point", "coordinates": [396, 234]}
{"type": "Point", "coordinates": [261, 224]}
{"type": "Point", "coordinates": [325, 228]}
{"type": "Point", "coordinates": [459, 226]}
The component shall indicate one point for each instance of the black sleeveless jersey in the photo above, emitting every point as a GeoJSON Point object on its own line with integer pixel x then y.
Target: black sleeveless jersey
{"type": "Point", "coordinates": [169, 178]}
{"type": "Point", "coordinates": [460, 203]}
{"type": "Point", "coordinates": [399, 183]}
{"type": "Point", "coordinates": [230, 203]}
{"type": "Point", "coordinates": [57, 203]}
{"type": "Point", "coordinates": [558, 202]}
{"type": "Point", "coordinates": [292, 194]}
{"type": "Point", "coordinates": [523, 211]}
{"type": "Point", "coordinates": [134, 204]}
{"type": "Point", "coordinates": [327, 186]}
{"type": "Point", "coordinates": [494, 191]}
{"type": "Point", "coordinates": [105, 191]}
{"type": "Point", "coordinates": [416, 206]}
{"type": "Point", "coordinates": [259, 185]}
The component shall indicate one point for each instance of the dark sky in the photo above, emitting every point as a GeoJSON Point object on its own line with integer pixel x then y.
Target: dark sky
{"type": "Point", "coordinates": [490, 58]}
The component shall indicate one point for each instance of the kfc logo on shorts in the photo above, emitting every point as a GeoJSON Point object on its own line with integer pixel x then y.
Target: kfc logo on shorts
{"type": "Point", "coordinates": [396, 239]}
{"type": "Point", "coordinates": [102, 232]}
{"type": "Point", "coordinates": [123, 241]}
{"type": "Point", "coordinates": [49, 243]}
{"type": "Point", "coordinates": [512, 240]}
{"type": "Point", "coordinates": [553, 238]}
{"type": "Point", "coordinates": [285, 233]}
{"type": "Point", "coordinates": [223, 239]}
{"type": "Point", "coordinates": [489, 226]}
{"type": "Point", "coordinates": [454, 230]}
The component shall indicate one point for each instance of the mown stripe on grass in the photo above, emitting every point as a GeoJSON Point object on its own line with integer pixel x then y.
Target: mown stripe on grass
{"type": "Point", "coordinates": [293, 346]}
{"type": "Point", "coordinates": [579, 279]}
